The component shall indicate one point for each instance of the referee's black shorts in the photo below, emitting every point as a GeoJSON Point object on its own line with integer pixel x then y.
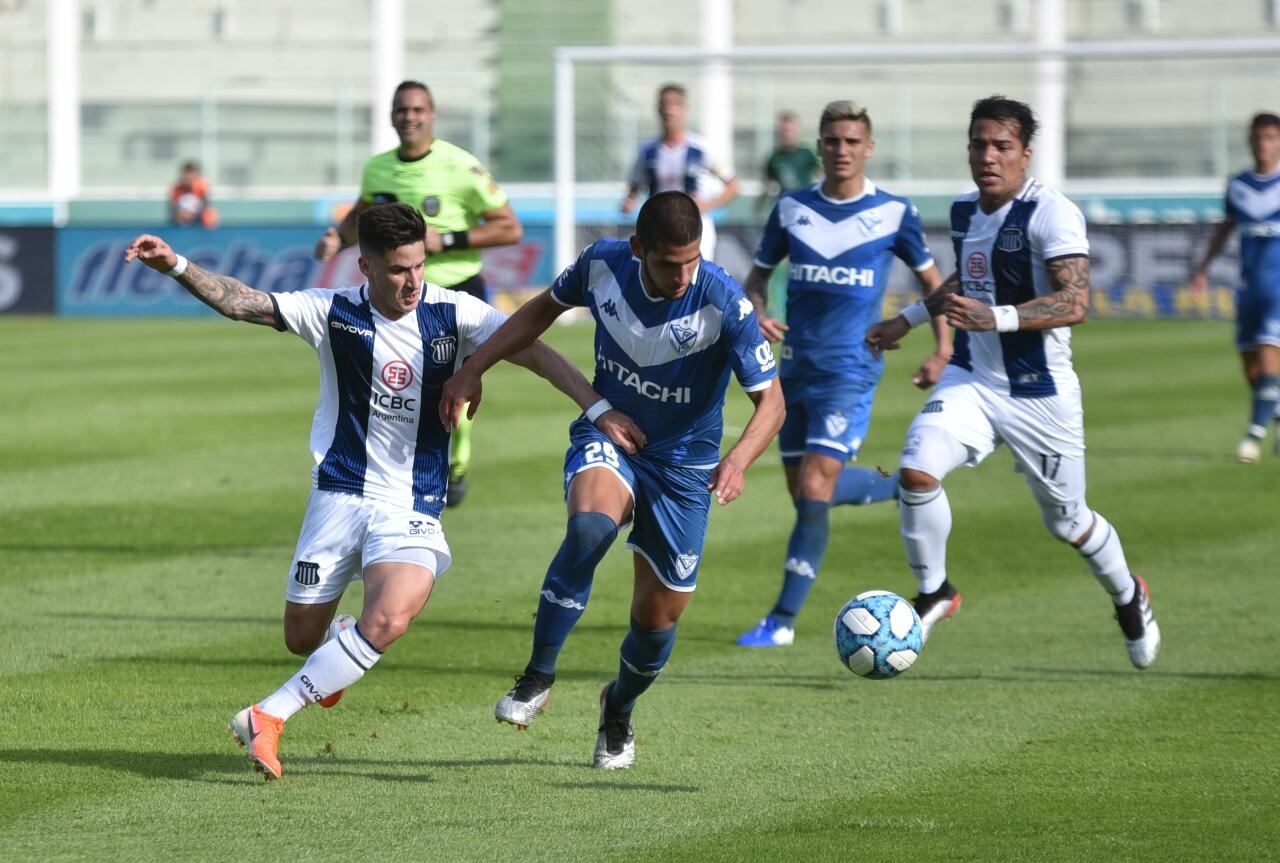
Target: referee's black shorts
{"type": "Point", "coordinates": [474, 286]}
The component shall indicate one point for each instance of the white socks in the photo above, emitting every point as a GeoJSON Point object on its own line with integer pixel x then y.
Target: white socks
{"type": "Point", "coordinates": [335, 665]}
{"type": "Point", "coordinates": [926, 524]}
{"type": "Point", "coordinates": [1105, 556]}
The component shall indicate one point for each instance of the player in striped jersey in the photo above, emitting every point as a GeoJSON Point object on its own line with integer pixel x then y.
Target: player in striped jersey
{"type": "Point", "coordinates": [679, 160]}
{"type": "Point", "coordinates": [381, 453]}
{"type": "Point", "coordinates": [1253, 204]}
{"type": "Point", "coordinates": [1023, 281]}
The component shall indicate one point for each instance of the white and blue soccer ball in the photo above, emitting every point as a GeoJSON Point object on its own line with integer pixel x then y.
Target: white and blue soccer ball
{"type": "Point", "coordinates": [878, 634]}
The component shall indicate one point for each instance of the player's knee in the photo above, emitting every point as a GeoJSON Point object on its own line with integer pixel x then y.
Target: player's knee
{"type": "Point", "coordinates": [302, 642]}
{"type": "Point", "coordinates": [913, 480]}
{"type": "Point", "coordinates": [1070, 522]}
{"type": "Point", "coordinates": [382, 628]}
{"type": "Point", "coordinates": [592, 531]}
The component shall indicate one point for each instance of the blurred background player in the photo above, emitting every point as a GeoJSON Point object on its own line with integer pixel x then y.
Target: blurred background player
{"type": "Point", "coordinates": [669, 328]}
{"type": "Point", "coordinates": [841, 236]}
{"type": "Point", "coordinates": [189, 199]}
{"type": "Point", "coordinates": [464, 208]}
{"type": "Point", "coordinates": [1253, 204]}
{"type": "Point", "coordinates": [1023, 282]}
{"type": "Point", "coordinates": [380, 449]}
{"type": "Point", "coordinates": [679, 161]}
{"type": "Point", "coordinates": [792, 164]}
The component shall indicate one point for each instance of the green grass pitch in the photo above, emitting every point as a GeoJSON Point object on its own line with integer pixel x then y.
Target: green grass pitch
{"type": "Point", "coordinates": [152, 480]}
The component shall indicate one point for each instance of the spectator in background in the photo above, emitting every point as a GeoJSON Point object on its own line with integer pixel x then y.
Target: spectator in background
{"type": "Point", "coordinates": [189, 199]}
{"type": "Point", "coordinates": [791, 165]}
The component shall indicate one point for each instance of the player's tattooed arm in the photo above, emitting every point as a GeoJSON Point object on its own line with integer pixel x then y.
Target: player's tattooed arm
{"type": "Point", "coordinates": [228, 296]}
{"type": "Point", "coordinates": [1069, 302]}
{"type": "Point", "coordinates": [936, 301]}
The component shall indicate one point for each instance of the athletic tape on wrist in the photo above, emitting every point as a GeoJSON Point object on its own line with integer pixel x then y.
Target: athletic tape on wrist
{"type": "Point", "coordinates": [916, 313]}
{"type": "Point", "coordinates": [598, 410]}
{"type": "Point", "coordinates": [177, 269]}
{"type": "Point", "coordinates": [1006, 319]}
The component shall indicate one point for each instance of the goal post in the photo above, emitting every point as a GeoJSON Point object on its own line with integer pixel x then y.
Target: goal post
{"type": "Point", "coordinates": [1043, 68]}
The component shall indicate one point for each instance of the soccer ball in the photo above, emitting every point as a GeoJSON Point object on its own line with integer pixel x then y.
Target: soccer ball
{"type": "Point", "coordinates": [878, 634]}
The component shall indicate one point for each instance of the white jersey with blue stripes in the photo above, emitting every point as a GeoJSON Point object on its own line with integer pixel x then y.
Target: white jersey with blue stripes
{"type": "Point", "coordinates": [377, 430]}
{"type": "Point", "coordinates": [1000, 258]}
{"type": "Point", "coordinates": [687, 167]}
{"type": "Point", "coordinates": [666, 363]}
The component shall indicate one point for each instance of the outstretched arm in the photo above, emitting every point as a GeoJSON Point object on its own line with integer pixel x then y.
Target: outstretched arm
{"type": "Point", "coordinates": [229, 297]}
{"type": "Point", "coordinates": [886, 335]}
{"type": "Point", "coordinates": [728, 480]}
{"type": "Point", "coordinates": [545, 361]}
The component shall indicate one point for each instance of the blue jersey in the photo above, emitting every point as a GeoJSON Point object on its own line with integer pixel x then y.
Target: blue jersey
{"type": "Point", "coordinates": [1253, 203]}
{"type": "Point", "coordinates": [841, 253]}
{"type": "Point", "coordinates": [666, 363]}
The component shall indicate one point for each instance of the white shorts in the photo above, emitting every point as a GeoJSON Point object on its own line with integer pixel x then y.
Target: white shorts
{"type": "Point", "coordinates": [1045, 435]}
{"type": "Point", "coordinates": [344, 533]}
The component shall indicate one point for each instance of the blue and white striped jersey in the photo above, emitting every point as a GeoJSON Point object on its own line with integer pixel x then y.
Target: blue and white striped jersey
{"type": "Point", "coordinates": [1001, 261]}
{"type": "Point", "coordinates": [688, 167]}
{"type": "Point", "coordinates": [841, 253]}
{"type": "Point", "coordinates": [377, 430]}
{"type": "Point", "coordinates": [665, 363]}
{"type": "Point", "coordinates": [1253, 203]}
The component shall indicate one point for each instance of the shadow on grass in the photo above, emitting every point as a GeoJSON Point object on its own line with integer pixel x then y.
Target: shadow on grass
{"type": "Point", "coordinates": [225, 767]}
{"type": "Point", "coordinates": [193, 619]}
{"type": "Point", "coordinates": [604, 785]}
{"type": "Point", "coordinates": [145, 549]}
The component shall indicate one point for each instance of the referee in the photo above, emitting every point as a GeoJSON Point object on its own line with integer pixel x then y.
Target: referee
{"type": "Point", "coordinates": [464, 209]}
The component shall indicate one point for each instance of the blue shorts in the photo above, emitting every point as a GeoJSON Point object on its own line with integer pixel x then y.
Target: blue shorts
{"type": "Point", "coordinates": [1257, 319]}
{"type": "Point", "coordinates": [670, 503]}
{"type": "Point", "coordinates": [828, 419]}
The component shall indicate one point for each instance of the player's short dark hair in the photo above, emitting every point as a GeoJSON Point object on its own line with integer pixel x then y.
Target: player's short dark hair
{"type": "Point", "coordinates": [1002, 109]}
{"type": "Point", "coordinates": [414, 85]}
{"type": "Point", "coordinates": [1262, 120]}
{"type": "Point", "coordinates": [843, 109]}
{"type": "Point", "coordinates": [384, 227]}
{"type": "Point", "coordinates": [669, 218]}
{"type": "Point", "coordinates": [673, 88]}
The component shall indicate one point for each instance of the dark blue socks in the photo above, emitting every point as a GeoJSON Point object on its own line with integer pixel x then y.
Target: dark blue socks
{"type": "Point", "coordinates": [1266, 391]}
{"type": "Point", "coordinates": [568, 584]}
{"type": "Point", "coordinates": [805, 551]}
{"type": "Point", "coordinates": [644, 653]}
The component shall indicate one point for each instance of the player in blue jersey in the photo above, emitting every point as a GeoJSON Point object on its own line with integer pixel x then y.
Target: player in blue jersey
{"type": "Point", "coordinates": [670, 328]}
{"type": "Point", "coordinates": [381, 452]}
{"type": "Point", "coordinates": [1253, 205]}
{"type": "Point", "coordinates": [842, 236]}
{"type": "Point", "coordinates": [1023, 282]}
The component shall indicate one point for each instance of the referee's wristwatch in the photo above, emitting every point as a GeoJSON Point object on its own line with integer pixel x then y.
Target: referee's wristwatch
{"type": "Point", "coordinates": [454, 240]}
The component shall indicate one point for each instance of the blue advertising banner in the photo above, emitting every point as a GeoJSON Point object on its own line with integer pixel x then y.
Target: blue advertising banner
{"type": "Point", "coordinates": [93, 279]}
{"type": "Point", "coordinates": [26, 271]}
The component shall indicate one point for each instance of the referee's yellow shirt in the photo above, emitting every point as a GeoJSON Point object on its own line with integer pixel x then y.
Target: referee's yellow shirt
{"type": "Point", "coordinates": [449, 187]}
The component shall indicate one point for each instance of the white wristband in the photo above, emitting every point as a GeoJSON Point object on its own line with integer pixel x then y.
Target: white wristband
{"type": "Point", "coordinates": [916, 313]}
{"type": "Point", "coordinates": [178, 269]}
{"type": "Point", "coordinates": [1006, 319]}
{"type": "Point", "coordinates": [597, 410]}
